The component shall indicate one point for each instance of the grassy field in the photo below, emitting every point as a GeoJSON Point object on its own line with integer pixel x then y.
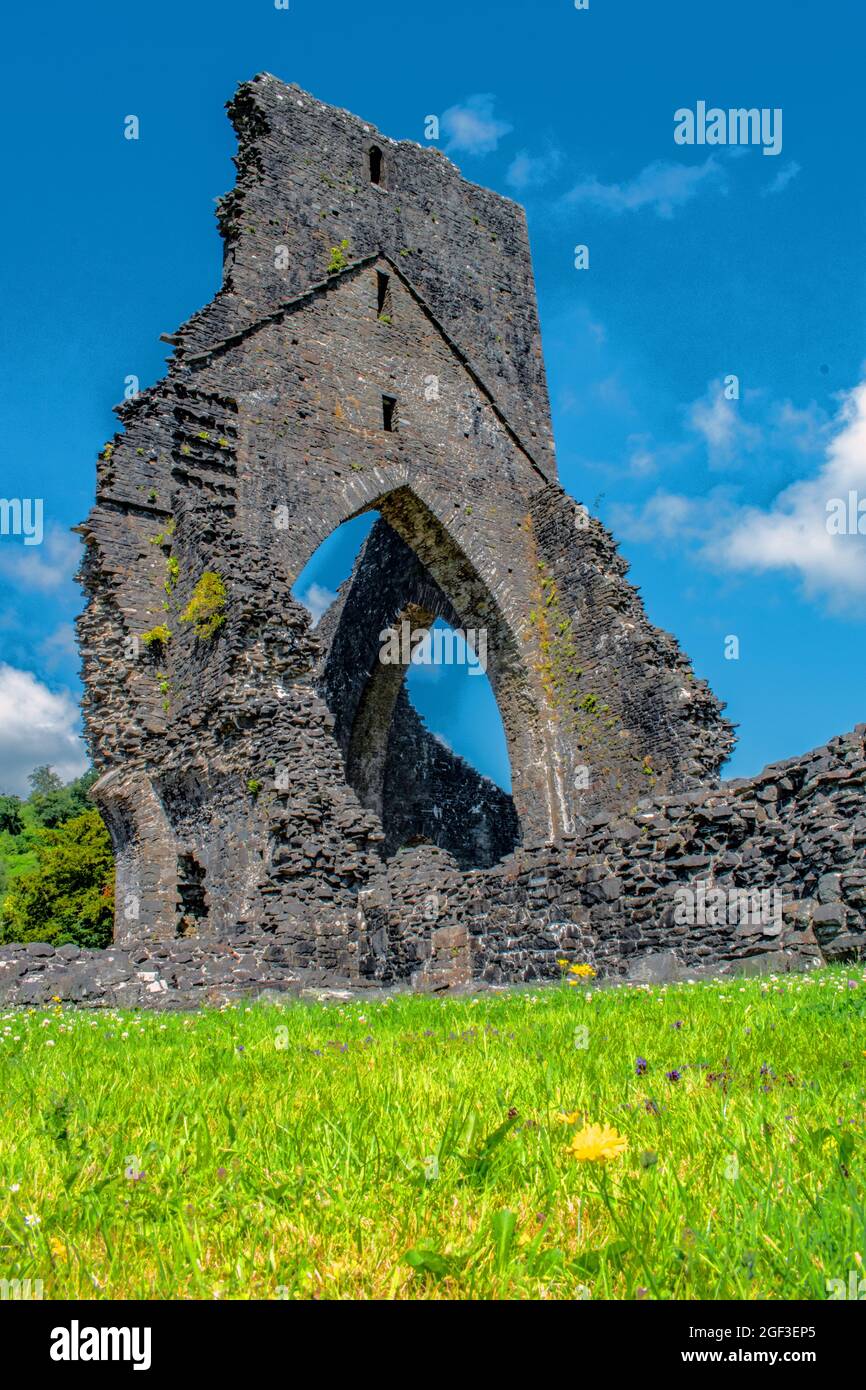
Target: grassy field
{"type": "Point", "coordinates": [427, 1148]}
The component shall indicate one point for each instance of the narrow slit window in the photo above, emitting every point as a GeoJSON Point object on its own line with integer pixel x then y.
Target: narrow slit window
{"type": "Point", "coordinates": [376, 165]}
{"type": "Point", "coordinates": [389, 413]}
{"type": "Point", "coordinates": [383, 296]}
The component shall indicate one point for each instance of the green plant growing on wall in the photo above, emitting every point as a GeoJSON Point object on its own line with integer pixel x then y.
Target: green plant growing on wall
{"type": "Point", "coordinates": [172, 573]}
{"type": "Point", "coordinates": [557, 666]}
{"type": "Point", "coordinates": [157, 637]}
{"type": "Point", "coordinates": [339, 257]}
{"type": "Point", "coordinates": [206, 608]}
{"type": "Point", "coordinates": [164, 684]}
{"type": "Point", "coordinates": [590, 718]}
{"type": "Point", "coordinates": [254, 786]}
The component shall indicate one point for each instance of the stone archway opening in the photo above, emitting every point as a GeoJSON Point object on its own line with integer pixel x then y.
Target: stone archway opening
{"type": "Point", "coordinates": [389, 633]}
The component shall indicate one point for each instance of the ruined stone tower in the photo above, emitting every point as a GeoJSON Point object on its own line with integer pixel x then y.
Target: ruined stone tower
{"type": "Point", "coordinates": [375, 345]}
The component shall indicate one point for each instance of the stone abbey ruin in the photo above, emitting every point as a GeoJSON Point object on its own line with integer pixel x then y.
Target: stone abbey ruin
{"type": "Point", "coordinates": [279, 812]}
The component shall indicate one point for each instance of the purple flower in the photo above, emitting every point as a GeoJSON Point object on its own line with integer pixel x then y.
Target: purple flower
{"type": "Point", "coordinates": [641, 1065]}
{"type": "Point", "coordinates": [677, 1023]}
{"type": "Point", "coordinates": [673, 1075]}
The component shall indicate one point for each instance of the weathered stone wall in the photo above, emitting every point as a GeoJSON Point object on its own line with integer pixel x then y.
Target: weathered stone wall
{"type": "Point", "coordinates": [259, 777]}
{"type": "Point", "coordinates": [607, 898]}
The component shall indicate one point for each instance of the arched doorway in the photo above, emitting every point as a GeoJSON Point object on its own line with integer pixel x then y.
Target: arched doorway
{"type": "Point", "coordinates": [389, 630]}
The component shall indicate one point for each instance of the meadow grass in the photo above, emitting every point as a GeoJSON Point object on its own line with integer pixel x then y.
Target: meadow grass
{"type": "Point", "coordinates": [415, 1147]}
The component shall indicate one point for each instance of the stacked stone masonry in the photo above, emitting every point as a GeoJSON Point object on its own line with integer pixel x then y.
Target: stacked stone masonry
{"type": "Point", "coordinates": [281, 817]}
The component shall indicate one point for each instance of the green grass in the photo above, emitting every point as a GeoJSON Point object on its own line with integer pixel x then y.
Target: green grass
{"type": "Point", "coordinates": [415, 1148]}
{"type": "Point", "coordinates": [16, 851]}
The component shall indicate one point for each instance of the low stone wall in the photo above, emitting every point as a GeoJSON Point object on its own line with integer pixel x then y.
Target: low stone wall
{"type": "Point", "coordinates": [174, 976]}
{"type": "Point", "coordinates": [650, 884]}
{"type": "Point", "coordinates": [649, 895]}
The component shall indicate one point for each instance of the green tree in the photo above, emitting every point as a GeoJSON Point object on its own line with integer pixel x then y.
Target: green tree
{"type": "Point", "coordinates": [44, 779]}
{"type": "Point", "coordinates": [11, 819]}
{"type": "Point", "coordinates": [53, 803]}
{"type": "Point", "coordinates": [70, 895]}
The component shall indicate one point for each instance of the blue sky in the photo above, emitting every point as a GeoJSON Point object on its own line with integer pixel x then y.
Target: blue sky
{"type": "Point", "coordinates": [704, 262]}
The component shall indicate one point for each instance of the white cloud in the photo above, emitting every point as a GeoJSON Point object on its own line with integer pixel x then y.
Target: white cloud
{"type": "Point", "coordinates": [41, 568]}
{"type": "Point", "coordinates": [37, 726]}
{"type": "Point", "coordinates": [646, 457]}
{"type": "Point", "coordinates": [529, 171]}
{"type": "Point", "coordinates": [472, 127]}
{"type": "Point", "coordinates": [662, 185]}
{"type": "Point", "coordinates": [783, 178]}
{"type": "Point", "coordinates": [791, 534]}
{"type": "Point", "coordinates": [805, 429]}
{"type": "Point", "coordinates": [666, 516]}
{"type": "Point", "coordinates": [317, 599]}
{"type": "Point", "coordinates": [719, 423]}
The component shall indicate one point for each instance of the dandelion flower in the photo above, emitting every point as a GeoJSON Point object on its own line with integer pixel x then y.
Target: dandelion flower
{"type": "Point", "coordinates": [583, 971]}
{"type": "Point", "coordinates": [597, 1144]}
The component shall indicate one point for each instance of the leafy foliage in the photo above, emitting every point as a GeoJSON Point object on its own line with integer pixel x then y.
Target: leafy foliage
{"type": "Point", "coordinates": [55, 864]}
{"type": "Point", "coordinates": [70, 896]}
{"type": "Point", "coordinates": [11, 820]}
{"type": "Point", "coordinates": [53, 803]}
{"type": "Point", "coordinates": [339, 257]}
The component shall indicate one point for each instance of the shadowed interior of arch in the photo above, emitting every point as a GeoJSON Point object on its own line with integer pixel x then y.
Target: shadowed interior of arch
{"type": "Point", "coordinates": [423, 739]}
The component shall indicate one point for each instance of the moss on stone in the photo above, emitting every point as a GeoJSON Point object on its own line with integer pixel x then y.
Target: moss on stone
{"type": "Point", "coordinates": [206, 608]}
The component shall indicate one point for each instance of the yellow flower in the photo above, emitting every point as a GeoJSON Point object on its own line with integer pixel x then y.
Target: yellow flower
{"type": "Point", "coordinates": [597, 1143]}
{"type": "Point", "coordinates": [562, 964]}
{"type": "Point", "coordinates": [571, 1119]}
{"type": "Point", "coordinates": [58, 1249]}
{"type": "Point", "coordinates": [584, 972]}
